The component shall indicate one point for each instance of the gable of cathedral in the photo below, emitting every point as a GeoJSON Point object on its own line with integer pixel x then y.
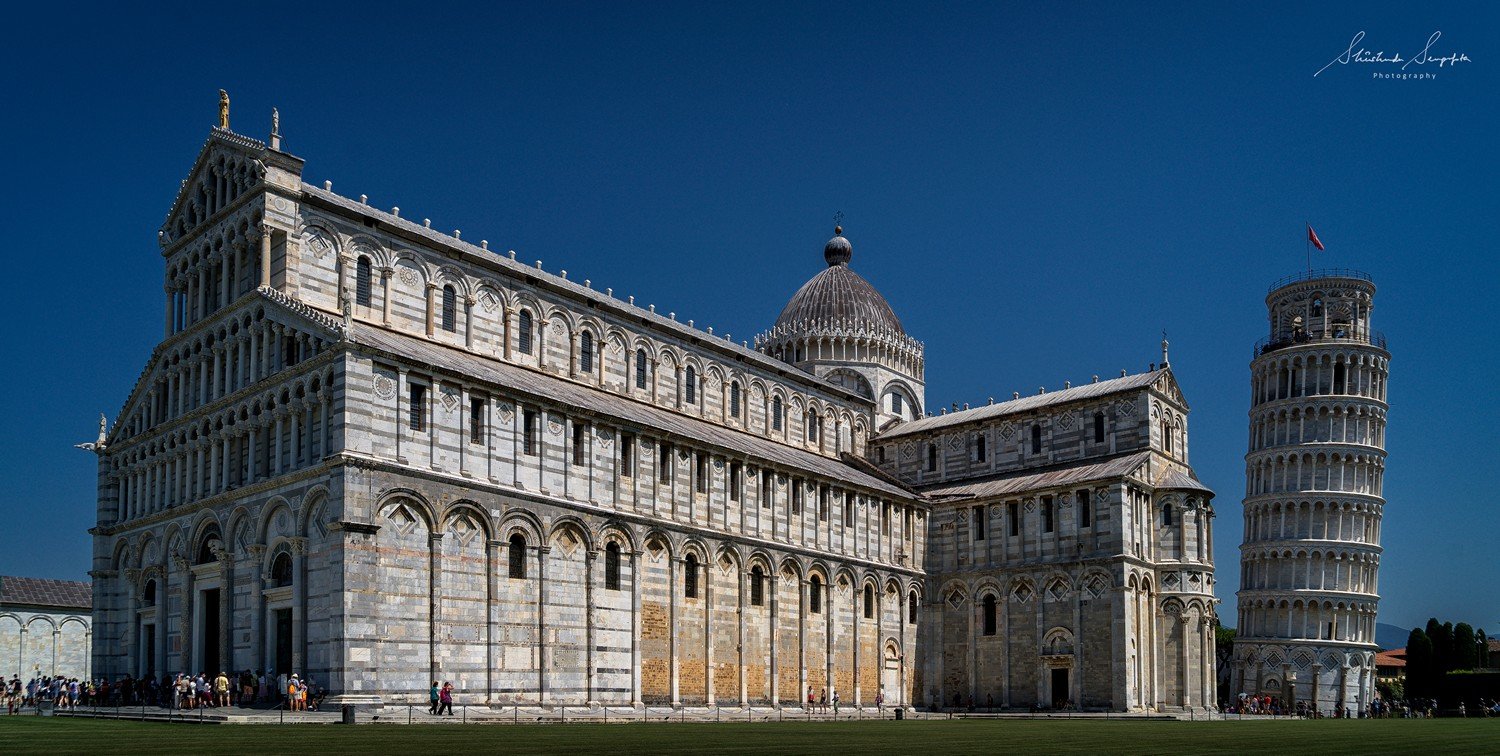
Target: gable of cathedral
{"type": "Point", "coordinates": [227, 168]}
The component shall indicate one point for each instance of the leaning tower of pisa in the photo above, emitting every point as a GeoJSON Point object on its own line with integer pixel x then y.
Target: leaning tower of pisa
{"type": "Point", "coordinates": [1313, 503]}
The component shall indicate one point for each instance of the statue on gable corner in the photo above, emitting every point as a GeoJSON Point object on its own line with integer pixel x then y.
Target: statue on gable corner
{"type": "Point", "coordinates": [223, 110]}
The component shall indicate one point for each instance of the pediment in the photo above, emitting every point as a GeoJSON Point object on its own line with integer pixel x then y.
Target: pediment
{"type": "Point", "coordinates": [1167, 386]}
{"type": "Point", "coordinates": [228, 167]}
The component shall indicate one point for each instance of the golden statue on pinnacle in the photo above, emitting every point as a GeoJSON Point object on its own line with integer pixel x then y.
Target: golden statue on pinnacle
{"type": "Point", "coordinates": [223, 110]}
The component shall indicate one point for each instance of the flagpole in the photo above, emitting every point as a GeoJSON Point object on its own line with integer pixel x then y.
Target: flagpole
{"type": "Point", "coordinates": [1308, 238]}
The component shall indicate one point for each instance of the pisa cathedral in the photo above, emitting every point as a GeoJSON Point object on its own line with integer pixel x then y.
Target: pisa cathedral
{"type": "Point", "coordinates": [379, 455]}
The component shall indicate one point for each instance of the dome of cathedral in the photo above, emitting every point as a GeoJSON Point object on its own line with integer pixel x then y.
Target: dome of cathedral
{"type": "Point", "coordinates": [838, 297]}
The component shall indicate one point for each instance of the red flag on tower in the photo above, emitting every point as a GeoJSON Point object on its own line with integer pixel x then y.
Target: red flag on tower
{"type": "Point", "coordinates": [1313, 237]}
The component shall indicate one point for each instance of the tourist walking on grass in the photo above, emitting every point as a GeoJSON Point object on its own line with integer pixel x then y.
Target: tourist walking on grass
{"type": "Point", "coordinates": [445, 699]}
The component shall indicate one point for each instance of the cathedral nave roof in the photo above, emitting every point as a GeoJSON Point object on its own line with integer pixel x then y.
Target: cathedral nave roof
{"type": "Point", "coordinates": [1027, 403]}
{"type": "Point", "coordinates": [1019, 483]}
{"type": "Point", "coordinates": [592, 400]}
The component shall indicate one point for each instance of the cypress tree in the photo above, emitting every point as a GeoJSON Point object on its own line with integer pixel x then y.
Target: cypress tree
{"type": "Point", "coordinates": [1484, 649]}
{"type": "Point", "coordinates": [1418, 664]}
{"type": "Point", "coordinates": [1465, 647]}
{"type": "Point", "coordinates": [1442, 645]}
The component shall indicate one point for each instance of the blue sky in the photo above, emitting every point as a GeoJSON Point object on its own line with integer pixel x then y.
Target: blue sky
{"type": "Point", "coordinates": [1038, 189]}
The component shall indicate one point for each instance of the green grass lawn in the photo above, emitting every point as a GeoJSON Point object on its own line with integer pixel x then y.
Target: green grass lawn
{"type": "Point", "coordinates": [31, 734]}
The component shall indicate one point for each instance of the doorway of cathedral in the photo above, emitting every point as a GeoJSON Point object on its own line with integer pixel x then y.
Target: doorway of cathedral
{"type": "Point", "coordinates": [208, 632]}
{"type": "Point", "coordinates": [1059, 688]}
{"type": "Point", "coordinates": [148, 651]}
{"type": "Point", "coordinates": [284, 641]}
{"type": "Point", "coordinates": [890, 676]}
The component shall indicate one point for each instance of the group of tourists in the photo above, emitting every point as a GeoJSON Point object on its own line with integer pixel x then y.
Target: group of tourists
{"type": "Point", "coordinates": [819, 703]}
{"type": "Point", "coordinates": [182, 691]}
{"type": "Point", "coordinates": [1416, 708]}
{"type": "Point", "coordinates": [246, 689]}
{"type": "Point", "coordinates": [62, 692]}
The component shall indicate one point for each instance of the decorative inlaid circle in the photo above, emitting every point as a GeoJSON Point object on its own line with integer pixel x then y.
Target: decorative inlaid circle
{"type": "Point", "coordinates": [385, 388]}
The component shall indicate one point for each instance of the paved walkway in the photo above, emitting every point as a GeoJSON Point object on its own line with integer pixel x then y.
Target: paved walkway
{"type": "Point", "coordinates": [418, 714]}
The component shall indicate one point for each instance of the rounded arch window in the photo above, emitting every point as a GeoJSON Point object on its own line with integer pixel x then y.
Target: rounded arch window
{"type": "Point", "coordinates": [814, 595]}
{"type": "Point", "coordinates": [281, 570]}
{"type": "Point", "coordinates": [612, 566]}
{"type": "Point", "coordinates": [690, 385]}
{"type": "Point", "coordinates": [869, 602]}
{"type": "Point", "coordinates": [690, 576]}
{"type": "Point", "coordinates": [148, 593]}
{"type": "Point", "coordinates": [450, 309]}
{"type": "Point", "coordinates": [586, 352]}
{"type": "Point", "coordinates": [517, 556]}
{"type": "Point", "coordinates": [362, 284]}
{"type": "Point", "coordinates": [757, 586]}
{"type": "Point", "coordinates": [523, 331]}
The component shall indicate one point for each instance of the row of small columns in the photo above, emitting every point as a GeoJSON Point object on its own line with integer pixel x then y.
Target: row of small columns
{"type": "Point", "coordinates": [208, 465]}
{"type": "Point", "coordinates": [197, 292]}
{"type": "Point", "coordinates": [259, 351]}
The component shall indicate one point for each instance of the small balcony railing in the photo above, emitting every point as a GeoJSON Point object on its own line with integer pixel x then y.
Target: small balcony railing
{"type": "Point", "coordinates": [1308, 275]}
{"type": "Point", "coordinates": [1273, 343]}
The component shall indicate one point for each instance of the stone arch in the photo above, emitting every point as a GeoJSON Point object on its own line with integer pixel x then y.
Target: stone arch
{"type": "Point", "coordinates": [695, 546]}
{"type": "Point", "coordinates": [268, 516]}
{"type": "Point", "coordinates": [414, 503]}
{"type": "Point", "coordinates": [471, 509]}
{"type": "Point", "coordinates": [566, 524]}
{"type": "Point", "coordinates": [120, 556]}
{"type": "Point", "coordinates": [521, 522]}
{"type": "Point", "coordinates": [793, 566]}
{"type": "Point", "coordinates": [989, 585]}
{"type": "Point", "coordinates": [205, 530]}
{"type": "Point", "coordinates": [659, 539]}
{"type": "Point", "coordinates": [41, 619]}
{"type": "Point", "coordinates": [314, 501]}
{"type": "Point", "coordinates": [241, 529]}
{"type": "Point", "coordinates": [363, 245]}
{"type": "Point", "coordinates": [618, 533]}
{"type": "Point", "coordinates": [410, 259]}
{"type": "Point", "coordinates": [74, 619]}
{"type": "Point", "coordinates": [462, 285]}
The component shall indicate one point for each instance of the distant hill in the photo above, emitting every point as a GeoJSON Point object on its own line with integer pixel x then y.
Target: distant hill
{"type": "Point", "coordinates": [1390, 636]}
